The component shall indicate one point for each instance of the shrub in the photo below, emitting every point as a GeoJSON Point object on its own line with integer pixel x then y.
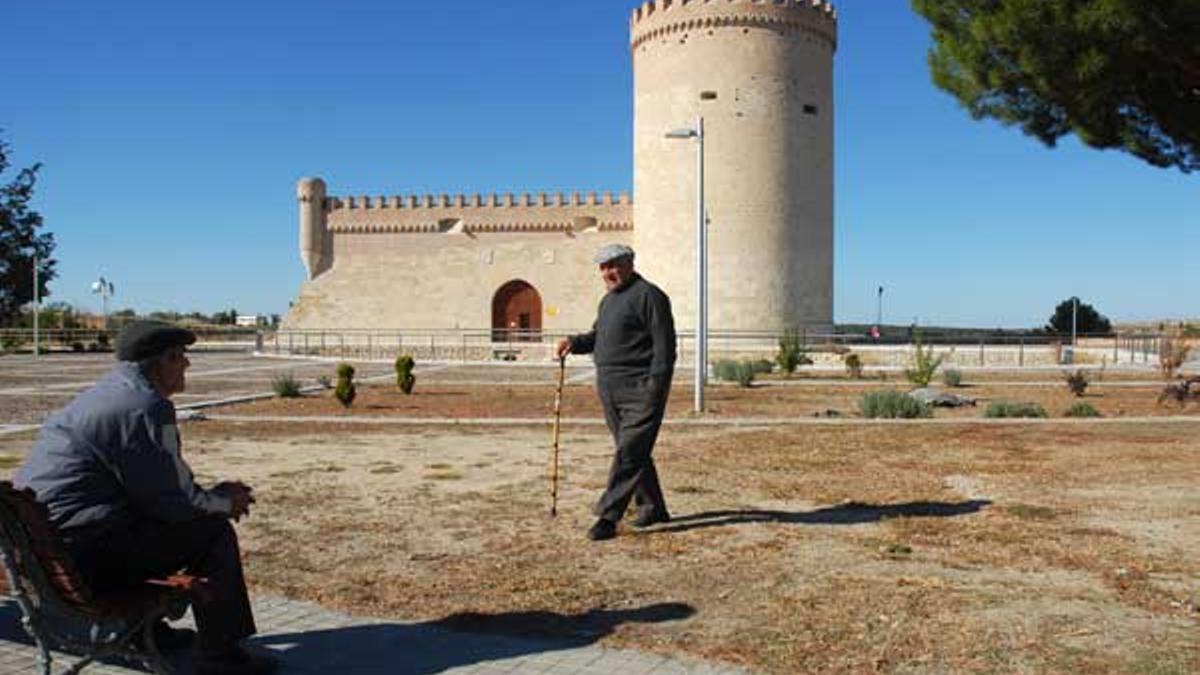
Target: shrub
{"type": "Point", "coordinates": [1082, 409]}
{"type": "Point", "coordinates": [892, 404]}
{"type": "Point", "coordinates": [854, 365]}
{"type": "Point", "coordinates": [11, 342]}
{"type": "Point", "coordinates": [1077, 382]}
{"type": "Point", "coordinates": [924, 363]}
{"type": "Point", "coordinates": [285, 386]}
{"type": "Point", "coordinates": [791, 352]}
{"type": "Point", "coordinates": [77, 346]}
{"type": "Point", "coordinates": [1007, 409]}
{"type": "Point", "coordinates": [1171, 355]}
{"type": "Point", "coordinates": [762, 366]}
{"type": "Point", "coordinates": [404, 377]}
{"type": "Point", "coordinates": [952, 377]}
{"type": "Point", "coordinates": [324, 381]}
{"type": "Point", "coordinates": [742, 372]}
{"type": "Point", "coordinates": [344, 391]}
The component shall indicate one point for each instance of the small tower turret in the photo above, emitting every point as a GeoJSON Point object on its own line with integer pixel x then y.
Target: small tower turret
{"type": "Point", "coordinates": [314, 232]}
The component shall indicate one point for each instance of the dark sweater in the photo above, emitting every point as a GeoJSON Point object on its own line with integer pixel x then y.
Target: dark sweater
{"type": "Point", "coordinates": [634, 333]}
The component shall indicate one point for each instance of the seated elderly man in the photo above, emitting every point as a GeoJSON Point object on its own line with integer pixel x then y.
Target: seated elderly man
{"type": "Point", "coordinates": [109, 469]}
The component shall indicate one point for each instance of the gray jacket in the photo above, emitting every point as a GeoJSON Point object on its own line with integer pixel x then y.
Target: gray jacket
{"type": "Point", "coordinates": [112, 457]}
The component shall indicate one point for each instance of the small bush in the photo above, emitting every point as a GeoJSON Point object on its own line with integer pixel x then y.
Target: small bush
{"type": "Point", "coordinates": [952, 377]}
{"type": "Point", "coordinates": [742, 372]}
{"type": "Point", "coordinates": [924, 363]}
{"type": "Point", "coordinates": [77, 346]}
{"type": "Point", "coordinates": [11, 343]}
{"type": "Point", "coordinates": [1077, 382]}
{"type": "Point", "coordinates": [344, 391]}
{"type": "Point", "coordinates": [892, 404]}
{"type": "Point", "coordinates": [791, 352]}
{"type": "Point", "coordinates": [404, 377]}
{"type": "Point", "coordinates": [1172, 354]}
{"type": "Point", "coordinates": [854, 366]}
{"type": "Point", "coordinates": [325, 382]}
{"type": "Point", "coordinates": [1007, 409]}
{"type": "Point", "coordinates": [1082, 409]}
{"type": "Point", "coordinates": [286, 386]}
{"type": "Point", "coordinates": [762, 366]}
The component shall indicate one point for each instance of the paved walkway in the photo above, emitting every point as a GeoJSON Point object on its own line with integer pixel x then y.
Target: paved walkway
{"type": "Point", "coordinates": [309, 640]}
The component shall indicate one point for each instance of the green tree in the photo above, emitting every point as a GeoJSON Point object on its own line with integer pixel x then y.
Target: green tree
{"type": "Point", "coordinates": [1087, 319]}
{"type": "Point", "coordinates": [1121, 74]}
{"type": "Point", "coordinates": [20, 242]}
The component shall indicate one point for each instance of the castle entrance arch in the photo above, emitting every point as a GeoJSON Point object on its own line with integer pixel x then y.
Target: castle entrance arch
{"type": "Point", "coordinates": [516, 313]}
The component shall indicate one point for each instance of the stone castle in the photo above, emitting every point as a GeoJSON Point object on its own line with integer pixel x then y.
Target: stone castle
{"type": "Point", "coordinates": [759, 73]}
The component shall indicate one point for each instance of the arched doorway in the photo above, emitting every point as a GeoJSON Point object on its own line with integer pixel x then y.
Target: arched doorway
{"type": "Point", "coordinates": [516, 313]}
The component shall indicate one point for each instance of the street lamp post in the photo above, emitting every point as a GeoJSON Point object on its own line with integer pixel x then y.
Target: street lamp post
{"type": "Point", "coordinates": [701, 264]}
{"type": "Point", "coordinates": [879, 309]}
{"type": "Point", "coordinates": [37, 308]}
{"type": "Point", "coordinates": [105, 289]}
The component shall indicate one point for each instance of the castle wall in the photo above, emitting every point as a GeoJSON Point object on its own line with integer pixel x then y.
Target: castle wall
{"type": "Point", "coordinates": [436, 262]}
{"type": "Point", "coordinates": [761, 75]}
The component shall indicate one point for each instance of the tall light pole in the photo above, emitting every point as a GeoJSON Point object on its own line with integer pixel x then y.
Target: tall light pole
{"type": "Point", "coordinates": [701, 264]}
{"type": "Point", "coordinates": [879, 309]}
{"type": "Point", "coordinates": [37, 307]}
{"type": "Point", "coordinates": [1074, 319]}
{"type": "Point", "coordinates": [104, 288]}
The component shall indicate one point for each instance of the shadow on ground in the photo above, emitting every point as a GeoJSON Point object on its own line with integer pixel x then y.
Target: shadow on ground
{"type": "Point", "coordinates": [852, 513]}
{"type": "Point", "coordinates": [459, 640]}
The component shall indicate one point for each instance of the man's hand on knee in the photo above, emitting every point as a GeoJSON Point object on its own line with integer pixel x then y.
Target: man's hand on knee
{"type": "Point", "coordinates": [240, 494]}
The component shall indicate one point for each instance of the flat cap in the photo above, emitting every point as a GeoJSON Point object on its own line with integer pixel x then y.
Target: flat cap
{"type": "Point", "coordinates": [144, 339]}
{"type": "Point", "coordinates": [612, 252]}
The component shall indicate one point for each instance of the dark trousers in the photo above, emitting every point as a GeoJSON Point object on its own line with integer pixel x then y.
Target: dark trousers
{"type": "Point", "coordinates": [633, 409]}
{"type": "Point", "coordinates": [205, 547]}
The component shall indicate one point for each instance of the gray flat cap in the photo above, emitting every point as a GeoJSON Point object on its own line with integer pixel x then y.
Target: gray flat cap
{"type": "Point", "coordinates": [143, 339]}
{"type": "Point", "coordinates": [612, 252]}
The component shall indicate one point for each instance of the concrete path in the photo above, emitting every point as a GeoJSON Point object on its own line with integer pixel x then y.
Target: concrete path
{"type": "Point", "coordinates": [311, 640]}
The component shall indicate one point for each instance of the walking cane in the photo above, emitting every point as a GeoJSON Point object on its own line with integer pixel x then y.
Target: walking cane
{"type": "Point", "coordinates": [562, 370]}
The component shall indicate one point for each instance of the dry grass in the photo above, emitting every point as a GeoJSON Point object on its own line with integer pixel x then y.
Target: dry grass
{"type": "Point", "coordinates": [797, 399]}
{"type": "Point", "coordinates": [902, 549]}
{"type": "Point", "coordinates": [898, 549]}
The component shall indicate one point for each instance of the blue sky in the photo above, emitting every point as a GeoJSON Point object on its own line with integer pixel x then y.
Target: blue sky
{"type": "Point", "coordinates": [172, 135]}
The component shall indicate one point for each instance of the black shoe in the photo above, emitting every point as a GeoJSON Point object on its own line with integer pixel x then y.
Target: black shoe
{"type": "Point", "coordinates": [603, 529]}
{"type": "Point", "coordinates": [651, 518]}
{"type": "Point", "coordinates": [236, 661]}
{"type": "Point", "coordinates": [168, 639]}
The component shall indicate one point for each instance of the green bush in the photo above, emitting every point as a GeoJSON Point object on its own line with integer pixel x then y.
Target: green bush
{"type": "Point", "coordinates": [952, 377]}
{"type": "Point", "coordinates": [1009, 409]}
{"type": "Point", "coordinates": [742, 372]}
{"type": "Point", "coordinates": [791, 352]}
{"type": "Point", "coordinates": [1082, 409]}
{"type": "Point", "coordinates": [924, 364]}
{"type": "Point", "coordinates": [11, 342]}
{"type": "Point", "coordinates": [854, 366]}
{"type": "Point", "coordinates": [344, 391]}
{"type": "Point", "coordinates": [1077, 382]}
{"type": "Point", "coordinates": [404, 377]}
{"type": "Point", "coordinates": [285, 386]}
{"type": "Point", "coordinates": [762, 366]}
{"type": "Point", "coordinates": [325, 382]}
{"type": "Point", "coordinates": [892, 404]}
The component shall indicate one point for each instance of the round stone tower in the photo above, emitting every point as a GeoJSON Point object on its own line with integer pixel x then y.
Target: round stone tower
{"type": "Point", "coordinates": [314, 232]}
{"type": "Point", "coordinates": [760, 72]}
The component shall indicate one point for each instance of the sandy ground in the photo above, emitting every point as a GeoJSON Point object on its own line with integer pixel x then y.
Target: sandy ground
{"type": "Point", "coordinates": [900, 549]}
{"type": "Point", "coordinates": [817, 549]}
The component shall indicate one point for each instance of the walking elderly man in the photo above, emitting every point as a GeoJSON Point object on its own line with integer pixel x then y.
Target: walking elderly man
{"type": "Point", "coordinates": [109, 469]}
{"type": "Point", "coordinates": [633, 345]}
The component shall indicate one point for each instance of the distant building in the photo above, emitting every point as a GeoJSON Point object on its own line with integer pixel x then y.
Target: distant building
{"type": "Point", "coordinates": [250, 320]}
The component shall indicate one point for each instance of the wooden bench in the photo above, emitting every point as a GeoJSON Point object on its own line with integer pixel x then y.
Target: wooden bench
{"type": "Point", "coordinates": [60, 611]}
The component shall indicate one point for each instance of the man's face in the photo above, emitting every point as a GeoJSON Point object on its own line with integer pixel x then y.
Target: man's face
{"type": "Point", "coordinates": [616, 272]}
{"type": "Point", "coordinates": [171, 367]}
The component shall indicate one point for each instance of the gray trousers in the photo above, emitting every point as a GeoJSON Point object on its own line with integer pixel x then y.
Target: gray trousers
{"type": "Point", "coordinates": [633, 409]}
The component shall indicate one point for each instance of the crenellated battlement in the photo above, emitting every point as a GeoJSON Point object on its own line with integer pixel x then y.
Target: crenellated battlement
{"type": "Point", "coordinates": [469, 214]}
{"type": "Point", "coordinates": [659, 18]}
{"type": "Point", "coordinates": [477, 201]}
